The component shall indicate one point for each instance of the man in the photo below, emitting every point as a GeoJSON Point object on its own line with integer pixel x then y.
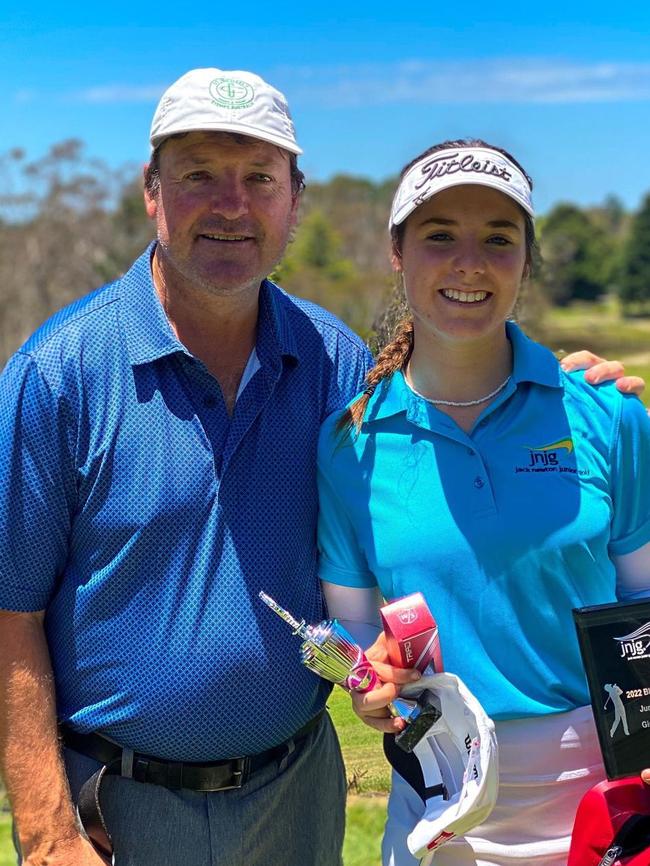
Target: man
{"type": "Point", "coordinates": [157, 451]}
{"type": "Point", "coordinates": [158, 455]}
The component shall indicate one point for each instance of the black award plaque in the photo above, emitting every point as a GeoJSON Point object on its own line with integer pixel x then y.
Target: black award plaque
{"type": "Point", "coordinates": [615, 646]}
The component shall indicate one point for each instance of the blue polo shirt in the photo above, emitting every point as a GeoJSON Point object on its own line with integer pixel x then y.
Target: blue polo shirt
{"type": "Point", "coordinates": [504, 529]}
{"type": "Point", "coordinates": [145, 521]}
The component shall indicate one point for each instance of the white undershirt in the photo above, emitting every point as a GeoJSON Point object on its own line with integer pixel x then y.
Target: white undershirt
{"type": "Point", "coordinates": [252, 366]}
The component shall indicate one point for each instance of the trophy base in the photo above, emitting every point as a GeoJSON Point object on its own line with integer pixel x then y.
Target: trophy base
{"type": "Point", "coordinates": [417, 727]}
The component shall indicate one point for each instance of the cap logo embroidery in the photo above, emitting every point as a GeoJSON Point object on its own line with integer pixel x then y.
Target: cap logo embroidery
{"type": "Point", "coordinates": [441, 166]}
{"type": "Point", "coordinates": [231, 92]}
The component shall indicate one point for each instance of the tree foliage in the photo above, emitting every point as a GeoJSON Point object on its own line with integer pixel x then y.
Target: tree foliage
{"type": "Point", "coordinates": [635, 277]}
{"type": "Point", "coordinates": [316, 267]}
{"type": "Point", "coordinates": [60, 235]}
{"type": "Point", "coordinates": [69, 223]}
{"type": "Point", "coordinates": [578, 256]}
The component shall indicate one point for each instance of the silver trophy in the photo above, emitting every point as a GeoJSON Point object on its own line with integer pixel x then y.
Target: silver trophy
{"type": "Point", "coordinates": [331, 652]}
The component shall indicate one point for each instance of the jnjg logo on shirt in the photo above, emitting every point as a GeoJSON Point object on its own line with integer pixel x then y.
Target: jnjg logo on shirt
{"type": "Point", "coordinates": [553, 457]}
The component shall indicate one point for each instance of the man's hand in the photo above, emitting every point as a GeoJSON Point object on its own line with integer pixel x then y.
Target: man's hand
{"type": "Point", "coordinates": [601, 370]}
{"type": "Point", "coordinates": [76, 851]}
{"type": "Point", "coordinates": [372, 707]}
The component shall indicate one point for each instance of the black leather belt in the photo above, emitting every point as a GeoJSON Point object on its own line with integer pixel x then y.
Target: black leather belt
{"type": "Point", "coordinates": [214, 776]}
{"type": "Point", "coordinates": [115, 760]}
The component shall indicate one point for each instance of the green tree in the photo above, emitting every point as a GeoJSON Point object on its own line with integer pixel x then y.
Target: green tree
{"type": "Point", "coordinates": [316, 268]}
{"type": "Point", "coordinates": [635, 277]}
{"type": "Point", "coordinates": [577, 255]}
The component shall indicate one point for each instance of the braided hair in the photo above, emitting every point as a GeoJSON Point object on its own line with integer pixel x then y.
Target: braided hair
{"type": "Point", "coordinates": [394, 356]}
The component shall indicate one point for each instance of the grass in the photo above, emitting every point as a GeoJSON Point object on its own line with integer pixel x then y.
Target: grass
{"type": "Point", "coordinates": [367, 769]}
{"type": "Point", "coordinates": [7, 853]}
{"type": "Point", "coordinates": [368, 777]}
{"type": "Point", "coordinates": [364, 829]}
{"type": "Point", "coordinates": [601, 328]}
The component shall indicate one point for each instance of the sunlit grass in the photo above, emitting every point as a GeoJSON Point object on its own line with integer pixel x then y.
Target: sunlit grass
{"type": "Point", "coordinates": [364, 829]}
{"type": "Point", "coordinates": [366, 767]}
{"type": "Point", "coordinates": [601, 328]}
{"type": "Point", "coordinates": [7, 853]}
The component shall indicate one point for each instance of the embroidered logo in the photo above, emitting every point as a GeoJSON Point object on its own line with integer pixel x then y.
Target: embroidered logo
{"type": "Point", "coordinates": [546, 455]}
{"type": "Point", "coordinates": [439, 166]}
{"type": "Point", "coordinates": [553, 457]}
{"type": "Point", "coordinates": [231, 92]}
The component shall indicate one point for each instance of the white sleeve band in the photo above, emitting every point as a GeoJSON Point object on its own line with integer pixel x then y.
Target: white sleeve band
{"type": "Point", "coordinates": [633, 574]}
{"type": "Point", "coordinates": [357, 609]}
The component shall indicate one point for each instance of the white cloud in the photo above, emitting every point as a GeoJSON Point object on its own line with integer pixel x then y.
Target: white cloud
{"type": "Point", "coordinates": [426, 82]}
{"type": "Point", "coordinates": [117, 93]}
{"type": "Point", "coordinates": [510, 80]}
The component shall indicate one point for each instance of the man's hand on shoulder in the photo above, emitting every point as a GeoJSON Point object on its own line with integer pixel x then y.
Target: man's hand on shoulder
{"type": "Point", "coordinates": [601, 370]}
{"type": "Point", "coordinates": [76, 851]}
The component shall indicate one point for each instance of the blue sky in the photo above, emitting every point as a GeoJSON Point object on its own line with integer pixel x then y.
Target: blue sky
{"type": "Point", "coordinates": [564, 86]}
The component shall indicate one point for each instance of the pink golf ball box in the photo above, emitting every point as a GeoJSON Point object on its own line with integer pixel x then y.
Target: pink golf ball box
{"type": "Point", "coordinates": [411, 634]}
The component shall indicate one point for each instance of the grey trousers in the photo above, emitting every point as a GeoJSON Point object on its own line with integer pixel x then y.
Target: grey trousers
{"type": "Point", "coordinates": [291, 815]}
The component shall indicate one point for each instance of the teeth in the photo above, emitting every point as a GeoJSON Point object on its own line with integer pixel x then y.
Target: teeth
{"type": "Point", "coordinates": [464, 297]}
{"type": "Point", "coordinates": [226, 237]}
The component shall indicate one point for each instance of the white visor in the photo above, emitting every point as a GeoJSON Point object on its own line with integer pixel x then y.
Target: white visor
{"type": "Point", "coordinates": [454, 167]}
{"type": "Point", "coordinates": [454, 767]}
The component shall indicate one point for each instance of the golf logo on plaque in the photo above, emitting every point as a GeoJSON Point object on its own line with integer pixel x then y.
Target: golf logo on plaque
{"type": "Point", "coordinates": [615, 646]}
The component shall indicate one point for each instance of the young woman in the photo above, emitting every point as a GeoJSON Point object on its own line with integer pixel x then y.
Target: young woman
{"type": "Point", "coordinates": [475, 470]}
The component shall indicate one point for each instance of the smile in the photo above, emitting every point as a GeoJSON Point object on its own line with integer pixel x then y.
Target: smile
{"type": "Point", "coordinates": [226, 237]}
{"type": "Point", "coordinates": [464, 297]}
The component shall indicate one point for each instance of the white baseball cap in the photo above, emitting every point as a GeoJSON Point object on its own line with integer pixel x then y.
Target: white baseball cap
{"type": "Point", "coordinates": [224, 101]}
{"type": "Point", "coordinates": [456, 166]}
{"type": "Point", "coordinates": [454, 767]}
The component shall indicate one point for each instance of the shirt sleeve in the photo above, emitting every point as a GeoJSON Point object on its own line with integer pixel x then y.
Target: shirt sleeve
{"type": "Point", "coordinates": [340, 558]}
{"type": "Point", "coordinates": [630, 456]}
{"type": "Point", "coordinates": [38, 491]}
{"type": "Point", "coordinates": [352, 364]}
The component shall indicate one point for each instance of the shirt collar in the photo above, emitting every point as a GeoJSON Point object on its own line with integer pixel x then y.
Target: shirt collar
{"type": "Point", "coordinates": [531, 363]}
{"type": "Point", "coordinates": [149, 335]}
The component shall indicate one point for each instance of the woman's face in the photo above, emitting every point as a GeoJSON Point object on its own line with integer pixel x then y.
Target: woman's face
{"type": "Point", "coordinates": [463, 259]}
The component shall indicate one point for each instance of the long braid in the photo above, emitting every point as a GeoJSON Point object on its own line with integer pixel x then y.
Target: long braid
{"type": "Point", "coordinates": [394, 356]}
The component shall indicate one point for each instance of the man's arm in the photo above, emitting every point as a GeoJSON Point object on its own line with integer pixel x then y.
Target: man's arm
{"type": "Point", "coordinates": [30, 757]}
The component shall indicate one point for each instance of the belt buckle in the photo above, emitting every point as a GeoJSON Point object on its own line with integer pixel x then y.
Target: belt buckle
{"type": "Point", "coordinates": [240, 773]}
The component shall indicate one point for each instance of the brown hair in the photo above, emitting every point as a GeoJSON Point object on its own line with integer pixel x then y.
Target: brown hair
{"type": "Point", "coordinates": [152, 170]}
{"type": "Point", "coordinates": [395, 355]}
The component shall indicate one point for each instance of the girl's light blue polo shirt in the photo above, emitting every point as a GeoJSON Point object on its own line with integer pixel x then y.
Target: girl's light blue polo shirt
{"type": "Point", "coordinates": [504, 529]}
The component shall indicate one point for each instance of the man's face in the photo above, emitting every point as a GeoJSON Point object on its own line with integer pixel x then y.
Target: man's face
{"type": "Point", "coordinates": [224, 210]}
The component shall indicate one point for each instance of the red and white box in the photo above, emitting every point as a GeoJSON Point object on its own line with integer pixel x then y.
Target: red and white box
{"type": "Point", "coordinates": [411, 634]}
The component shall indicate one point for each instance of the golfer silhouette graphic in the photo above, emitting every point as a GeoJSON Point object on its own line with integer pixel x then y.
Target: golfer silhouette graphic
{"type": "Point", "coordinates": [614, 692]}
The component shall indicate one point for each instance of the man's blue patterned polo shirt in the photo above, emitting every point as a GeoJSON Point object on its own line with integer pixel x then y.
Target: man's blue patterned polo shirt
{"type": "Point", "coordinates": [145, 520]}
